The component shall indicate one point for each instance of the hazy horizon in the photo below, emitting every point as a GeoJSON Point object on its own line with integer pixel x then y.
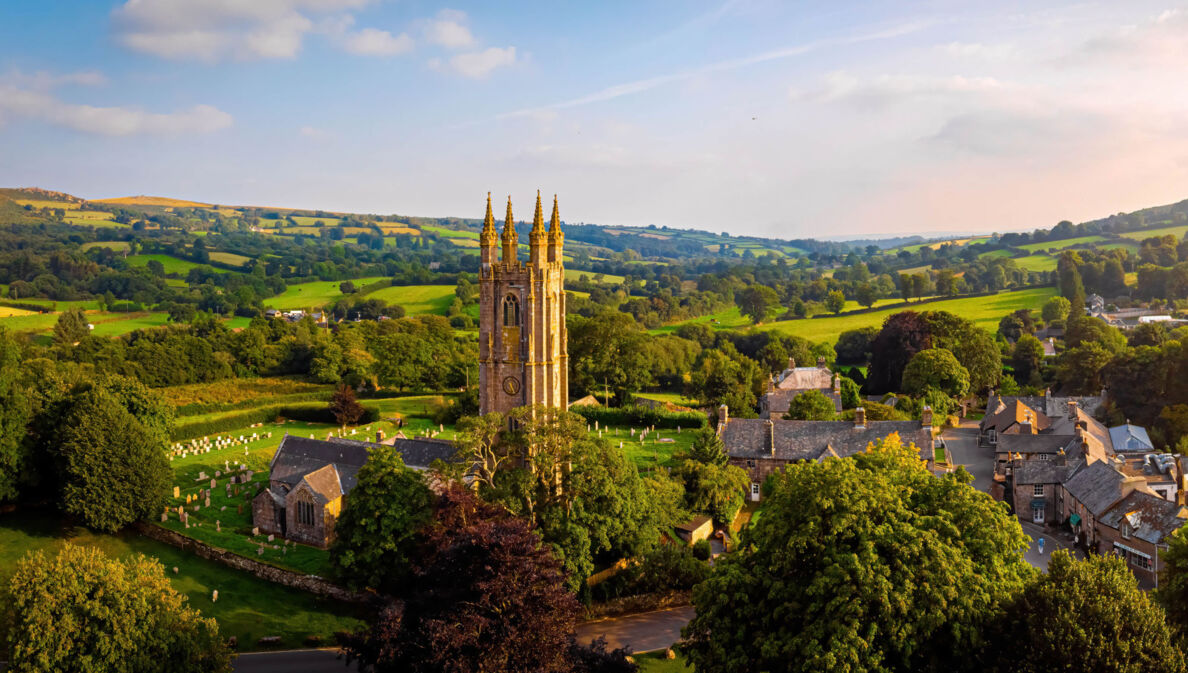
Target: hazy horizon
{"type": "Point", "coordinates": [751, 117]}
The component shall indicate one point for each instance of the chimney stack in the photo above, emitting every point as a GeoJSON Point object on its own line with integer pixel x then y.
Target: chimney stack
{"type": "Point", "coordinates": [1072, 410]}
{"type": "Point", "coordinates": [821, 363]}
{"type": "Point", "coordinates": [770, 437]}
{"type": "Point", "coordinates": [791, 363]}
{"type": "Point", "coordinates": [1025, 428]}
{"type": "Point", "coordinates": [379, 436]}
{"type": "Point", "coordinates": [859, 418]}
{"type": "Point", "coordinates": [723, 416]}
{"type": "Point", "coordinates": [926, 417]}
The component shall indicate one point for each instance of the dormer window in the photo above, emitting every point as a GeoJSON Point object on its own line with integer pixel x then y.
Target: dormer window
{"type": "Point", "coordinates": [1125, 531]}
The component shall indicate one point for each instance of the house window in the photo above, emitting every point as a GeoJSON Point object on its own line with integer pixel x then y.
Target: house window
{"type": "Point", "coordinates": [1125, 531]}
{"type": "Point", "coordinates": [750, 463]}
{"type": "Point", "coordinates": [1037, 490]}
{"type": "Point", "coordinates": [305, 513]}
{"type": "Point", "coordinates": [1044, 456]}
{"type": "Point", "coordinates": [1140, 561]}
{"type": "Point", "coordinates": [511, 311]}
{"type": "Point", "coordinates": [754, 488]}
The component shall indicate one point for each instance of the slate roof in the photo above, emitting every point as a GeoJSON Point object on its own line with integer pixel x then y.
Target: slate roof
{"type": "Point", "coordinates": [805, 378]}
{"type": "Point", "coordinates": [1096, 486]}
{"type": "Point", "coordinates": [1034, 444]}
{"type": "Point", "coordinates": [1048, 405]}
{"type": "Point", "coordinates": [324, 483]}
{"type": "Point", "coordinates": [813, 440]}
{"type": "Point", "coordinates": [1040, 472]}
{"type": "Point", "coordinates": [1013, 411]}
{"type": "Point", "coordinates": [692, 524]}
{"type": "Point", "coordinates": [1151, 518]}
{"type": "Point", "coordinates": [1130, 438]}
{"type": "Point", "coordinates": [297, 457]}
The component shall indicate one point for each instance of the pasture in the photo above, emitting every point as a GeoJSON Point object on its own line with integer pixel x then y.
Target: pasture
{"type": "Point", "coordinates": [229, 258]}
{"type": "Point", "coordinates": [312, 295]}
{"type": "Point", "coordinates": [417, 299]}
{"type": "Point", "coordinates": [576, 274]}
{"type": "Point", "coordinates": [1178, 231]}
{"type": "Point", "coordinates": [46, 203]}
{"type": "Point", "coordinates": [171, 264]}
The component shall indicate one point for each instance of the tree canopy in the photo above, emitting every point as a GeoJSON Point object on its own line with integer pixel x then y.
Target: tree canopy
{"type": "Point", "coordinates": [935, 368]}
{"type": "Point", "coordinates": [811, 405]}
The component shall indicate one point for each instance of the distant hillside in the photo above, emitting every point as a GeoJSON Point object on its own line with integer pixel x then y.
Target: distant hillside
{"type": "Point", "coordinates": [153, 201]}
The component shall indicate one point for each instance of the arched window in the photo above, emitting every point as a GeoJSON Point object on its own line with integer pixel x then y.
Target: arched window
{"type": "Point", "coordinates": [511, 311]}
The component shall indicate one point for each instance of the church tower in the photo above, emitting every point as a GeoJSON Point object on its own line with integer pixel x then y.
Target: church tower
{"type": "Point", "coordinates": [523, 343]}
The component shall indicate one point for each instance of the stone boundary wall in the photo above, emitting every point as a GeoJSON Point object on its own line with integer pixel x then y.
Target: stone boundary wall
{"type": "Point", "coordinates": [308, 583]}
{"type": "Point", "coordinates": [630, 605]}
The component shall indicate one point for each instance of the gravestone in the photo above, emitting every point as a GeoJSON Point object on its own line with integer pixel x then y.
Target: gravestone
{"type": "Point", "coordinates": [271, 537]}
{"type": "Point", "coordinates": [214, 597]}
{"type": "Point", "coordinates": [255, 531]}
{"type": "Point", "coordinates": [176, 492]}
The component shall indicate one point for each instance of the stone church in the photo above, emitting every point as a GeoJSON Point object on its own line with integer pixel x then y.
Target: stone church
{"type": "Point", "coordinates": [523, 344]}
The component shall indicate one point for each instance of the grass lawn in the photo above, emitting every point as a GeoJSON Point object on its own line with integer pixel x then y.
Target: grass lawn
{"type": "Point", "coordinates": [110, 245]}
{"type": "Point", "coordinates": [656, 662]}
{"type": "Point", "coordinates": [673, 398]}
{"type": "Point", "coordinates": [312, 295]}
{"type": "Point", "coordinates": [248, 608]}
{"type": "Point", "coordinates": [1001, 252]}
{"type": "Point", "coordinates": [1177, 231]}
{"type": "Point", "coordinates": [36, 322]}
{"type": "Point", "coordinates": [985, 311]}
{"type": "Point", "coordinates": [417, 299]}
{"type": "Point", "coordinates": [1061, 244]}
{"type": "Point", "coordinates": [652, 452]}
{"type": "Point", "coordinates": [171, 264]}
{"type": "Point", "coordinates": [8, 312]}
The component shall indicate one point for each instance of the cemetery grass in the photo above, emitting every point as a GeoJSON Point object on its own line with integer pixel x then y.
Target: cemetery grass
{"type": "Point", "coordinates": [248, 608]}
{"type": "Point", "coordinates": [313, 295]}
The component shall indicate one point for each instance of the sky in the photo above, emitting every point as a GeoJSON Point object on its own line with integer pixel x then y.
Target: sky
{"type": "Point", "coordinates": [759, 117]}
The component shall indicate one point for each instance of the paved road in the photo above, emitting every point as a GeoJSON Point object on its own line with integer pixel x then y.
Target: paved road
{"type": "Point", "coordinates": [643, 632]}
{"type": "Point", "coordinates": [978, 460]}
{"type": "Point", "coordinates": [293, 661]}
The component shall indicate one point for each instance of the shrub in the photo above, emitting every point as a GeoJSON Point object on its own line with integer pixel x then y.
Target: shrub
{"type": "Point", "coordinates": [702, 550]}
{"type": "Point", "coordinates": [666, 568]}
{"type": "Point", "coordinates": [639, 416]}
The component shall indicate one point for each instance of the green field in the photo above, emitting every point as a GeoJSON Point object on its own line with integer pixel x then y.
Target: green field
{"type": "Point", "coordinates": [313, 295]}
{"type": "Point", "coordinates": [171, 264]}
{"type": "Point", "coordinates": [117, 324]}
{"type": "Point", "coordinates": [450, 233]}
{"type": "Point", "coordinates": [1061, 244]}
{"type": "Point", "coordinates": [417, 299]}
{"type": "Point", "coordinates": [985, 311]}
{"type": "Point", "coordinates": [576, 274]}
{"type": "Point", "coordinates": [36, 322]}
{"type": "Point", "coordinates": [1036, 263]}
{"type": "Point", "coordinates": [1177, 231]}
{"type": "Point", "coordinates": [248, 608]}
{"type": "Point", "coordinates": [229, 258]}
{"type": "Point", "coordinates": [110, 245]}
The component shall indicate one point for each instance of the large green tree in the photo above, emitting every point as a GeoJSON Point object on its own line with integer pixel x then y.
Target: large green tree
{"type": "Point", "coordinates": [1087, 615]}
{"type": "Point", "coordinates": [377, 530]}
{"type": "Point", "coordinates": [811, 405]}
{"type": "Point", "coordinates": [81, 612]}
{"type": "Point", "coordinates": [72, 327]}
{"type": "Point", "coordinates": [935, 368]}
{"type": "Point", "coordinates": [754, 301]}
{"type": "Point", "coordinates": [1026, 358]}
{"type": "Point", "coordinates": [14, 417]}
{"type": "Point", "coordinates": [111, 466]}
{"type": "Point", "coordinates": [717, 490]}
{"type": "Point", "coordinates": [867, 563]}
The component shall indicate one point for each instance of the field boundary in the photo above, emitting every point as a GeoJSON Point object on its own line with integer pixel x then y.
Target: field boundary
{"type": "Point", "coordinates": [313, 584]}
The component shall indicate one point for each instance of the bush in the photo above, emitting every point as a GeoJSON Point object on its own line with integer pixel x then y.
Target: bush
{"type": "Point", "coordinates": [317, 413]}
{"type": "Point", "coordinates": [702, 550]}
{"type": "Point", "coordinates": [666, 568]}
{"type": "Point", "coordinates": [640, 416]}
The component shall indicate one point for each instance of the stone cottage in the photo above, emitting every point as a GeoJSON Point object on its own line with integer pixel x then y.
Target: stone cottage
{"type": "Point", "coordinates": [310, 480]}
{"type": "Point", "coordinates": [793, 381]}
{"type": "Point", "coordinates": [762, 446]}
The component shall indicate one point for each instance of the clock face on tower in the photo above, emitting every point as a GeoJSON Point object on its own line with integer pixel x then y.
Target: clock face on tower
{"type": "Point", "coordinates": [511, 385]}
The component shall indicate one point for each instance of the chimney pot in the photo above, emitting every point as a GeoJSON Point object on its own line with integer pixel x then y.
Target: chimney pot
{"type": "Point", "coordinates": [723, 415]}
{"type": "Point", "coordinates": [379, 436]}
{"type": "Point", "coordinates": [860, 417]}
{"type": "Point", "coordinates": [820, 363]}
{"type": "Point", "coordinates": [926, 416]}
{"type": "Point", "coordinates": [1072, 410]}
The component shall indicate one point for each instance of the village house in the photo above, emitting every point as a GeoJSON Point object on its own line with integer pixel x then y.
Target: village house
{"type": "Point", "coordinates": [793, 381]}
{"type": "Point", "coordinates": [310, 480]}
{"type": "Point", "coordinates": [1037, 490]}
{"type": "Point", "coordinates": [1034, 415]}
{"type": "Point", "coordinates": [1136, 528]}
{"type": "Point", "coordinates": [1091, 491]}
{"type": "Point", "coordinates": [763, 446]}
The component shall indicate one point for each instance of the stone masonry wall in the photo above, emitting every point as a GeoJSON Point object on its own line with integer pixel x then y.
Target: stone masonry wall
{"type": "Point", "coordinates": [308, 583]}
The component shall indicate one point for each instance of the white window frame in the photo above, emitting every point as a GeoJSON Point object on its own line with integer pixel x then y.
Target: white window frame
{"type": "Point", "coordinates": [1037, 490]}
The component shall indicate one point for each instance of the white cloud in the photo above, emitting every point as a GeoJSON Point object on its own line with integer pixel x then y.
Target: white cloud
{"type": "Point", "coordinates": [448, 29]}
{"type": "Point", "coordinates": [215, 30]}
{"type": "Point", "coordinates": [477, 64]}
{"type": "Point", "coordinates": [42, 80]}
{"type": "Point", "coordinates": [374, 42]}
{"type": "Point", "coordinates": [888, 89]}
{"type": "Point", "coordinates": [110, 121]}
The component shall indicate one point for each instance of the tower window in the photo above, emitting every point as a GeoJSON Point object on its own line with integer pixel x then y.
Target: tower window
{"type": "Point", "coordinates": [511, 311]}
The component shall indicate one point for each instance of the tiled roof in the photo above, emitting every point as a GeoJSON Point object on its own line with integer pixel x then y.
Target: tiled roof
{"type": "Point", "coordinates": [1013, 411]}
{"type": "Point", "coordinates": [1130, 438]}
{"type": "Point", "coordinates": [1096, 486]}
{"type": "Point", "coordinates": [1150, 517]}
{"type": "Point", "coordinates": [812, 440]}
